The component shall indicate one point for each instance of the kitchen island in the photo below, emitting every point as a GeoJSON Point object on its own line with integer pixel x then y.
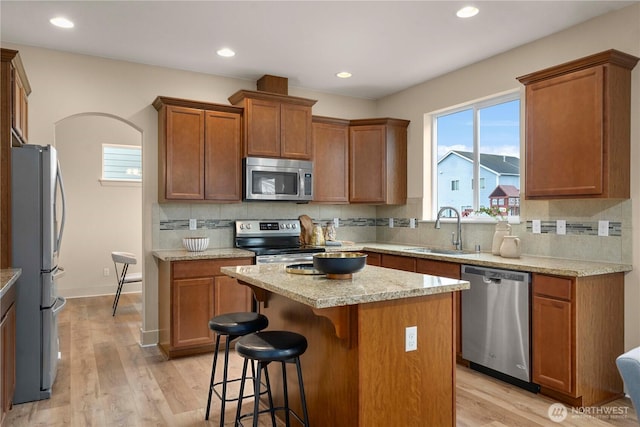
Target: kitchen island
{"type": "Point", "coordinates": [356, 369]}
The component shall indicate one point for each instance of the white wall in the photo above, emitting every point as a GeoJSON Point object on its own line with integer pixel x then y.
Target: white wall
{"type": "Point", "coordinates": [618, 30]}
{"type": "Point", "coordinates": [66, 84]}
{"type": "Point", "coordinates": [100, 218]}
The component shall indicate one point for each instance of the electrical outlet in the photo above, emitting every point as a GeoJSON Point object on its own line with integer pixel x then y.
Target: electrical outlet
{"type": "Point", "coordinates": [536, 226]}
{"type": "Point", "coordinates": [193, 224]}
{"type": "Point", "coordinates": [390, 222]}
{"type": "Point", "coordinates": [412, 223]}
{"type": "Point", "coordinates": [561, 227]}
{"type": "Point", "coordinates": [105, 272]}
{"type": "Point", "coordinates": [411, 338]}
{"type": "Point", "coordinates": [603, 228]}
{"type": "Point", "coordinates": [336, 222]}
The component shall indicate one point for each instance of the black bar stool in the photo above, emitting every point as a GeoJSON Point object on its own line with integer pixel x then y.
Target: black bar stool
{"type": "Point", "coordinates": [231, 325]}
{"type": "Point", "coordinates": [266, 347]}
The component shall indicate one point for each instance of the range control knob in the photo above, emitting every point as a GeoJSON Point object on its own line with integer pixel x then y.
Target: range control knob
{"type": "Point", "coordinates": [294, 226]}
{"type": "Point", "coordinates": [248, 226]}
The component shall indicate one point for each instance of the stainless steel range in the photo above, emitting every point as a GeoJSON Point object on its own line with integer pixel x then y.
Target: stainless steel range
{"type": "Point", "coordinates": [273, 241]}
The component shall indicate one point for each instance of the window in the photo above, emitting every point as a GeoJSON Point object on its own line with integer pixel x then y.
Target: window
{"type": "Point", "coordinates": [121, 162]}
{"type": "Point", "coordinates": [479, 142]}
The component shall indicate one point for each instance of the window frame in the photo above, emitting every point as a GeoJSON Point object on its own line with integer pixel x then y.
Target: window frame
{"type": "Point", "coordinates": [476, 106]}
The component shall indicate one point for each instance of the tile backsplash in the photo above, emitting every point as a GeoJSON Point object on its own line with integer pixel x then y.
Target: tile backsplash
{"type": "Point", "coordinates": [364, 223]}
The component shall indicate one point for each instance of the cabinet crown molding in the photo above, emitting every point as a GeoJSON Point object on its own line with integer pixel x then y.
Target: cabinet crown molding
{"type": "Point", "coordinates": [240, 95]}
{"type": "Point", "coordinates": [611, 56]}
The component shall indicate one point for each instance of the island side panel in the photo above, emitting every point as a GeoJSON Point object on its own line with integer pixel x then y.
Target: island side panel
{"type": "Point", "coordinates": [330, 364]}
{"type": "Point", "coordinates": [407, 388]}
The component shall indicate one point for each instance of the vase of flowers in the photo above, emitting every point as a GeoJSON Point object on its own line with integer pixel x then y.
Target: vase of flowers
{"type": "Point", "coordinates": [502, 226]}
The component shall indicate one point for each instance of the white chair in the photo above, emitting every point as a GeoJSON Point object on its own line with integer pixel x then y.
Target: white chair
{"type": "Point", "coordinates": [124, 258]}
{"type": "Point", "coordinates": [629, 367]}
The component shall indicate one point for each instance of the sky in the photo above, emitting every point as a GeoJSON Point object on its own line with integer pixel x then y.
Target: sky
{"type": "Point", "coordinates": [499, 130]}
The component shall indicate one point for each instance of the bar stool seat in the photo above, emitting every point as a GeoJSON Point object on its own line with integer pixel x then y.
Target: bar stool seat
{"type": "Point", "coordinates": [231, 325]}
{"type": "Point", "coordinates": [266, 347]}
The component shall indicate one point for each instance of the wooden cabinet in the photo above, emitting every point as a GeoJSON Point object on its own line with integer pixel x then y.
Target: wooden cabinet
{"type": "Point", "coordinates": [378, 161]}
{"type": "Point", "coordinates": [452, 271]}
{"type": "Point", "coordinates": [191, 293]}
{"type": "Point", "coordinates": [578, 128]}
{"type": "Point", "coordinates": [14, 90]}
{"type": "Point", "coordinates": [199, 151]}
{"type": "Point", "coordinates": [398, 262]}
{"type": "Point", "coordinates": [373, 258]}
{"type": "Point", "coordinates": [552, 332]}
{"type": "Point", "coordinates": [7, 351]}
{"type": "Point", "coordinates": [20, 117]}
{"type": "Point", "coordinates": [577, 333]}
{"type": "Point", "coordinates": [330, 160]}
{"type": "Point", "coordinates": [275, 125]}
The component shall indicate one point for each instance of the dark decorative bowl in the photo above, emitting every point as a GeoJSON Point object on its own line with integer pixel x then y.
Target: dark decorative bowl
{"type": "Point", "coordinates": [339, 265]}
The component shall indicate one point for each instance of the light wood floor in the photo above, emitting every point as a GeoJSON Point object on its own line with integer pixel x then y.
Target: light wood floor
{"type": "Point", "coordinates": [106, 379]}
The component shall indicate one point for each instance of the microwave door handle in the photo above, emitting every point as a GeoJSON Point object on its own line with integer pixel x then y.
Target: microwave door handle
{"type": "Point", "coordinates": [301, 191]}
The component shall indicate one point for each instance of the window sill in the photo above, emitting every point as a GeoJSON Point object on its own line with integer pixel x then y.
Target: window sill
{"type": "Point", "coordinates": [472, 220]}
{"type": "Point", "coordinates": [119, 183]}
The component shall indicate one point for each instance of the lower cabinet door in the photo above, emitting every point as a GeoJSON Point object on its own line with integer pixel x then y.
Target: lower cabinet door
{"type": "Point", "coordinates": [552, 338]}
{"type": "Point", "coordinates": [192, 307]}
{"type": "Point", "coordinates": [230, 296]}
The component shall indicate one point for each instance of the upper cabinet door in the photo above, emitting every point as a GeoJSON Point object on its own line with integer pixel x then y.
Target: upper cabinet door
{"type": "Point", "coordinates": [295, 131]}
{"type": "Point", "coordinates": [262, 127]}
{"type": "Point", "coordinates": [275, 125]}
{"type": "Point", "coordinates": [578, 128]}
{"type": "Point", "coordinates": [378, 161]}
{"type": "Point", "coordinates": [223, 161]}
{"type": "Point", "coordinates": [565, 142]}
{"type": "Point", "coordinates": [330, 161]}
{"type": "Point", "coordinates": [184, 146]}
{"type": "Point", "coordinates": [367, 164]}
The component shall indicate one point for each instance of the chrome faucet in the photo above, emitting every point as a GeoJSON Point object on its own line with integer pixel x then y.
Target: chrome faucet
{"type": "Point", "coordinates": [455, 240]}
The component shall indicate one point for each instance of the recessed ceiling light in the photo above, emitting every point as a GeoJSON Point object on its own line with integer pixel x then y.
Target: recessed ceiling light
{"type": "Point", "coordinates": [62, 22]}
{"type": "Point", "coordinates": [344, 74]}
{"type": "Point", "coordinates": [467, 12]}
{"type": "Point", "coordinates": [226, 52]}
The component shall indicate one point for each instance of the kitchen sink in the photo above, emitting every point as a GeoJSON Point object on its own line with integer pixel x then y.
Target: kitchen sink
{"type": "Point", "coordinates": [437, 251]}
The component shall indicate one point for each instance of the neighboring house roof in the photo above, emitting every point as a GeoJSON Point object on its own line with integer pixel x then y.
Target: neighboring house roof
{"type": "Point", "coordinates": [499, 164]}
{"type": "Point", "coordinates": [505, 191]}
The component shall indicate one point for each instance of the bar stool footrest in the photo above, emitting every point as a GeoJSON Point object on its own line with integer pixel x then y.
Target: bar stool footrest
{"type": "Point", "coordinates": [268, 411]}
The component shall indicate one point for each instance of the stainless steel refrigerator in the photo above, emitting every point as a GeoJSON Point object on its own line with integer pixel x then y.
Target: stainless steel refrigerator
{"type": "Point", "coordinates": [37, 224]}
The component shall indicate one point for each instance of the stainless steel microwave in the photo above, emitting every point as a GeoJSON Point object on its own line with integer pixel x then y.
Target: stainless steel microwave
{"type": "Point", "coordinates": [277, 179]}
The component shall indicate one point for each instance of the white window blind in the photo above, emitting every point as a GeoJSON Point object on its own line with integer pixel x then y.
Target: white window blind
{"type": "Point", "coordinates": [121, 162]}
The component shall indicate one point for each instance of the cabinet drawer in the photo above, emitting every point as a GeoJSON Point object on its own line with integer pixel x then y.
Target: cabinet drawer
{"type": "Point", "coordinates": [438, 268]}
{"type": "Point", "coordinates": [204, 268]}
{"type": "Point", "coordinates": [555, 287]}
{"type": "Point", "coordinates": [399, 262]}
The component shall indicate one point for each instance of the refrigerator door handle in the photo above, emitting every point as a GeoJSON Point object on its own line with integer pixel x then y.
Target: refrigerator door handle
{"type": "Point", "coordinates": [57, 307]}
{"type": "Point", "coordinates": [64, 207]}
{"type": "Point", "coordinates": [58, 273]}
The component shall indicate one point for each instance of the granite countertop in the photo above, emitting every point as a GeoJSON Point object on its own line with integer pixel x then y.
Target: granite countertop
{"type": "Point", "coordinates": [533, 264]}
{"type": "Point", "coordinates": [185, 255]}
{"type": "Point", "coordinates": [7, 278]}
{"type": "Point", "coordinates": [368, 285]}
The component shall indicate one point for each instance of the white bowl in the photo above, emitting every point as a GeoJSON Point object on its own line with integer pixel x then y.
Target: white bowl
{"type": "Point", "coordinates": [195, 244]}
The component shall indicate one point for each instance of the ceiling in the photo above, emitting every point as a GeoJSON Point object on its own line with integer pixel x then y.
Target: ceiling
{"type": "Point", "coordinates": [388, 46]}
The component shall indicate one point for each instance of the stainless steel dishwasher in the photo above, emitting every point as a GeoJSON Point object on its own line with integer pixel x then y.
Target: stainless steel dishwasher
{"type": "Point", "coordinates": [496, 325]}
